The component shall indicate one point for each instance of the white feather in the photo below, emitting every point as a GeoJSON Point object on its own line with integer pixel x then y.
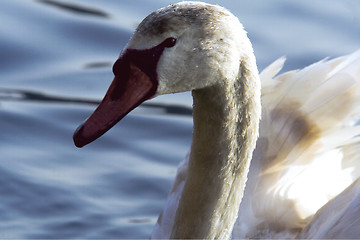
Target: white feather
{"type": "Point", "coordinates": [307, 152]}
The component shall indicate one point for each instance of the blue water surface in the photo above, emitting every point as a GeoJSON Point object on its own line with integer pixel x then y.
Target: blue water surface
{"type": "Point", "coordinates": [55, 64]}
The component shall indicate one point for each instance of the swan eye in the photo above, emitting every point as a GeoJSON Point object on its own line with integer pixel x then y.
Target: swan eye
{"type": "Point", "coordinates": [169, 42]}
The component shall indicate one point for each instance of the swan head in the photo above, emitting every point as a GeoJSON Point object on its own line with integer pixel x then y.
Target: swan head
{"type": "Point", "coordinates": [182, 47]}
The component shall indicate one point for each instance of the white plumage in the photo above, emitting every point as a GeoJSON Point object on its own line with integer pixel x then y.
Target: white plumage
{"type": "Point", "coordinates": [307, 151]}
{"type": "Point", "coordinates": [303, 176]}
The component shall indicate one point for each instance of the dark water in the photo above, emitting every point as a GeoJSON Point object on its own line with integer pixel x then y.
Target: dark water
{"type": "Point", "coordinates": [55, 62]}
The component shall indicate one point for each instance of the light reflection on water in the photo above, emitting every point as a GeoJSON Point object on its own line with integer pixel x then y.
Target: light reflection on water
{"type": "Point", "coordinates": [56, 62]}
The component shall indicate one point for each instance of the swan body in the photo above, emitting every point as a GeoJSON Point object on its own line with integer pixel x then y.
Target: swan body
{"type": "Point", "coordinates": [307, 139]}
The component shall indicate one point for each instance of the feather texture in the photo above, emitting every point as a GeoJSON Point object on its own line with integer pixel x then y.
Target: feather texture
{"type": "Point", "coordinates": [307, 152]}
{"type": "Point", "coordinates": [306, 155]}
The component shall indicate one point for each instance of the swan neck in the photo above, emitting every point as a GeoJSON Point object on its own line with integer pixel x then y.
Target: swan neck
{"type": "Point", "coordinates": [226, 118]}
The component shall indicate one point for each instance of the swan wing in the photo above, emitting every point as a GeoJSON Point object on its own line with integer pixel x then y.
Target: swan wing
{"type": "Point", "coordinates": [307, 152]}
{"type": "Point", "coordinates": [339, 218]}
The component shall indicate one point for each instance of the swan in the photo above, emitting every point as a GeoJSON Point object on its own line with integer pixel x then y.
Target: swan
{"type": "Point", "coordinates": [302, 157]}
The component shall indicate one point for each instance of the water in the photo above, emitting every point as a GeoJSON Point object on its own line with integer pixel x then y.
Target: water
{"type": "Point", "coordinates": [55, 62]}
